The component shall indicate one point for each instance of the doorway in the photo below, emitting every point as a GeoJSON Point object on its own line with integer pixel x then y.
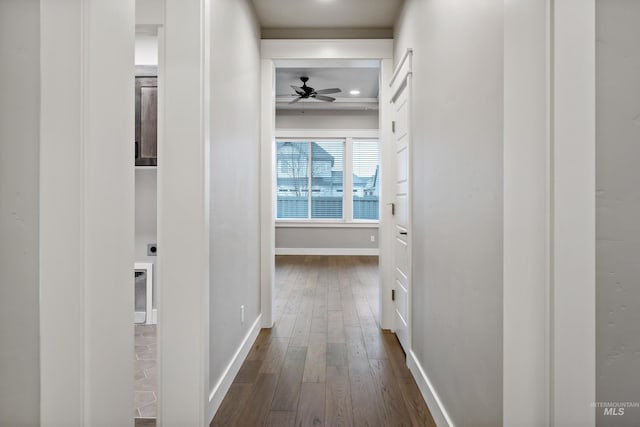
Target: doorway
{"type": "Point", "coordinates": [146, 214]}
{"type": "Point", "coordinates": [327, 166]}
{"type": "Point", "coordinates": [304, 57]}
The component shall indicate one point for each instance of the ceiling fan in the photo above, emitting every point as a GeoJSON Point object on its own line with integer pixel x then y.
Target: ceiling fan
{"type": "Point", "coordinates": [306, 92]}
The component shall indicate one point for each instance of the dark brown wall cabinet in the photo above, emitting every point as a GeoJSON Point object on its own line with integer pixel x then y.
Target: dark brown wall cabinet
{"type": "Point", "coordinates": [146, 121]}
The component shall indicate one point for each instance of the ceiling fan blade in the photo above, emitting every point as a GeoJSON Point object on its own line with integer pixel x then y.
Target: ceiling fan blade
{"type": "Point", "coordinates": [324, 98]}
{"type": "Point", "coordinates": [298, 90]}
{"type": "Point", "coordinates": [328, 91]}
{"type": "Point", "coordinates": [296, 100]}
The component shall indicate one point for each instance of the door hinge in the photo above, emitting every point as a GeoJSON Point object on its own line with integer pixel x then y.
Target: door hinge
{"type": "Point", "coordinates": [393, 126]}
{"type": "Point", "coordinates": [393, 294]}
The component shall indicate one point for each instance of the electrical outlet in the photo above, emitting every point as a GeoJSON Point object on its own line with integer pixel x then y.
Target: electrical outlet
{"type": "Point", "coordinates": [242, 314]}
{"type": "Point", "coordinates": [373, 238]}
{"type": "Point", "coordinates": [152, 249]}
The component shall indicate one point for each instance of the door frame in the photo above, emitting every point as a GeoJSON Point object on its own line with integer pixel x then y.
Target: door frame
{"type": "Point", "coordinates": [402, 80]}
{"type": "Point", "coordinates": [304, 50]}
{"type": "Point", "coordinates": [184, 100]}
{"type": "Point", "coordinates": [549, 213]}
{"type": "Point", "coordinates": [86, 208]}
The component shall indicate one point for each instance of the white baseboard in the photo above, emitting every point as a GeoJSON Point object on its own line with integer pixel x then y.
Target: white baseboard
{"type": "Point", "coordinates": [328, 251]}
{"type": "Point", "coordinates": [222, 387]}
{"type": "Point", "coordinates": [438, 411]}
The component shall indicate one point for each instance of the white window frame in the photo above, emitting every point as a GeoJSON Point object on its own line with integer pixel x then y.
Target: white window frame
{"type": "Point", "coordinates": [348, 136]}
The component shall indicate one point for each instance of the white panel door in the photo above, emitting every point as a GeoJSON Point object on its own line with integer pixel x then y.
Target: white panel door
{"type": "Point", "coordinates": [402, 215]}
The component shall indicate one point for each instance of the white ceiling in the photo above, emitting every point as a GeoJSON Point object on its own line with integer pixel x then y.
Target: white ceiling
{"type": "Point", "coordinates": [327, 13]}
{"type": "Point", "coordinates": [363, 79]}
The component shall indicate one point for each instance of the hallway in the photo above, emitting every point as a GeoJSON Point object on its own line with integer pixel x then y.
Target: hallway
{"type": "Point", "coordinates": [325, 362]}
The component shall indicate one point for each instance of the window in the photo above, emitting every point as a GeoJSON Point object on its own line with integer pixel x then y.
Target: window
{"type": "Point", "coordinates": [366, 177]}
{"type": "Point", "coordinates": [312, 177]}
{"type": "Point", "coordinates": [310, 164]}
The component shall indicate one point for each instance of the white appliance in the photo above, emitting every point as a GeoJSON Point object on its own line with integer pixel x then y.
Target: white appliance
{"type": "Point", "coordinates": [143, 294]}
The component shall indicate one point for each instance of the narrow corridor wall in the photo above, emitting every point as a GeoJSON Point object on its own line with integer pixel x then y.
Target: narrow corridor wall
{"type": "Point", "coordinates": [19, 189]}
{"type": "Point", "coordinates": [234, 185]}
{"type": "Point", "coordinates": [617, 208]}
{"type": "Point", "coordinates": [457, 200]}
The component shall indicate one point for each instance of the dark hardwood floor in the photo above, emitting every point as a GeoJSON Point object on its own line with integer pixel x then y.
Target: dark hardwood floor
{"type": "Point", "coordinates": [326, 362]}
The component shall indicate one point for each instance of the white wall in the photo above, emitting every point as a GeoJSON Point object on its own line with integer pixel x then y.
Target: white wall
{"type": "Point", "coordinates": [319, 119]}
{"type": "Point", "coordinates": [618, 208]}
{"type": "Point", "coordinates": [146, 48]}
{"type": "Point", "coordinates": [149, 13]}
{"type": "Point", "coordinates": [327, 237]}
{"type": "Point", "coordinates": [19, 164]}
{"type": "Point", "coordinates": [146, 221]}
{"type": "Point", "coordinates": [234, 183]}
{"type": "Point", "coordinates": [457, 201]}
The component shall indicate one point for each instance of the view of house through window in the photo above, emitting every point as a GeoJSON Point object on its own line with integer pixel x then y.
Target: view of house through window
{"type": "Point", "coordinates": [310, 180]}
{"type": "Point", "coordinates": [366, 179]}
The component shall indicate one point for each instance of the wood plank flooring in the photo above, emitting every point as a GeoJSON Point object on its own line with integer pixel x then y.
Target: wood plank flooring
{"type": "Point", "coordinates": [325, 362]}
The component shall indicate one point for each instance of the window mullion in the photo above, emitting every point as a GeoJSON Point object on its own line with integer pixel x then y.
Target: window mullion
{"type": "Point", "coordinates": [310, 179]}
{"type": "Point", "coordinates": [347, 188]}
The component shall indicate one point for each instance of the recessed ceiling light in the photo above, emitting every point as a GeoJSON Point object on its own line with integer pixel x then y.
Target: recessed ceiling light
{"type": "Point", "coordinates": [354, 92]}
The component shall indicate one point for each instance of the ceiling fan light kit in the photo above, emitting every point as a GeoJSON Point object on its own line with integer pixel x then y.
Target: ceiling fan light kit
{"type": "Point", "coordinates": [307, 92]}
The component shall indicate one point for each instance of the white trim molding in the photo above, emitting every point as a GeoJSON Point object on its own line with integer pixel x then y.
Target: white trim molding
{"type": "Point", "coordinates": [573, 317]}
{"type": "Point", "coordinates": [308, 223]}
{"type": "Point", "coordinates": [403, 68]}
{"type": "Point", "coordinates": [386, 234]}
{"type": "Point", "coordinates": [549, 213]}
{"type": "Point", "coordinates": [267, 200]}
{"type": "Point", "coordinates": [331, 49]}
{"type": "Point", "coordinates": [328, 251]}
{"type": "Point", "coordinates": [87, 208]}
{"type": "Point", "coordinates": [221, 388]}
{"type": "Point", "coordinates": [436, 407]}
{"type": "Point", "coordinates": [183, 203]}
{"type": "Point", "coordinates": [328, 133]}
{"type": "Point", "coordinates": [526, 192]}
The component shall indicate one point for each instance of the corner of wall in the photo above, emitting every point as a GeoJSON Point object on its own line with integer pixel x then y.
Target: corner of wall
{"type": "Point", "coordinates": [220, 389]}
{"type": "Point", "coordinates": [435, 405]}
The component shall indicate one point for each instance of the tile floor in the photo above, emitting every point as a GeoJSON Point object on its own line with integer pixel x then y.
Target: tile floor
{"type": "Point", "coordinates": [145, 372]}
